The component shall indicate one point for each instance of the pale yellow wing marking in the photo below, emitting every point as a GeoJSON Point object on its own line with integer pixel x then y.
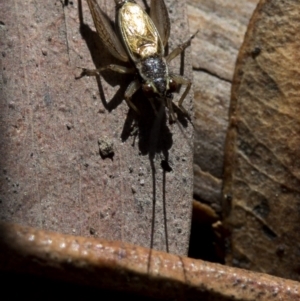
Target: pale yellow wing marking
{"type": "Point", "coordinates": [139, 32]}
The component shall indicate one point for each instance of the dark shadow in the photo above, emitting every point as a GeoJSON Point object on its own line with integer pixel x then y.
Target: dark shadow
{"type": "Point", "coordinates": [202, 243]}
{"type": "Point", "coordinates": [158, 145]}
{"type": "Point", "coordinates": [66, 2]}
{"type": "Point", "coordinates": [33, 287]}
{"type": "Point", "coordinates": [207, 242]}
{"type": "Point", "coordinates": [147, 7]}
{"type": "Point", "coordinates": [153, 170]}
{"type": "Point", "coordinates": [165, 211]}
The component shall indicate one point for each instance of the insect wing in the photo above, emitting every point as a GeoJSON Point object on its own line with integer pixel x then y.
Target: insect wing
{"type": "Point", "coordinates": [139, 32]}
{"type": "Point", "coordinates": [106, 32]}
{"type": "Point", "coordinates": [160, 17]}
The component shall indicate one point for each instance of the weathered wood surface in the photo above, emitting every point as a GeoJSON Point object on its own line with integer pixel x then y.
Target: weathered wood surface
{"type": "Point", "coordinates": [52, 175]}
{"type": "Point", "coordinates": [127, 268]}
{"type": "Point", "coordinates": [262, 166]}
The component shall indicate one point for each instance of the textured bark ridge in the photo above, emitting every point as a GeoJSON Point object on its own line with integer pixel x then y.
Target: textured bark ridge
{"type": "Point", "coordinates": [53, 174]}
{"type": "Point", "coordinates": [262, 164]}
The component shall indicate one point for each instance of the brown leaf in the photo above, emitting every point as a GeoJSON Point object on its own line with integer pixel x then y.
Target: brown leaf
{"type": "Point", "coordinates": [262, 168]}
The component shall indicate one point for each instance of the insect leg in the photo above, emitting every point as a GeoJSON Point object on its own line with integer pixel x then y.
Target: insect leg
{"type": "Point", "coordinates": [116, 68]}
{"type": "Point", "coordinates": [172, 115]}
{"type": "Point", "coordinates": [131, 89]}
{"type": "Point", "coordinates": [181, 80]}
{"type": "Point", "coordinates": [180, 48]}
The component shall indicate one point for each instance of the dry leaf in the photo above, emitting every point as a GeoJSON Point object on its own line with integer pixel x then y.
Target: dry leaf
{"type": "Point", "coordinates": [262, 168]}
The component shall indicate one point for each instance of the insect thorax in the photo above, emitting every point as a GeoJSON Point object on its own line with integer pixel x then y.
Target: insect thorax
{"type": "Point", "coordinates": [155, 70]}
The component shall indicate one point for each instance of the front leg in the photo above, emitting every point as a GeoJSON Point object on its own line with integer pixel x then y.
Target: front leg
{"type": "Point", "coordinates": [180, 48]}
{"type": "Point", "coordinates": [116, 68]}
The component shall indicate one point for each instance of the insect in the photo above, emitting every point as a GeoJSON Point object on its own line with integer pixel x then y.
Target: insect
{"type": "Point", "coordinates": [141, 40]}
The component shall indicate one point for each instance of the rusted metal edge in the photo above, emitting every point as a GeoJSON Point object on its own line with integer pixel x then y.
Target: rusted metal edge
{"type": "Point", "coordinates": [121, 266]}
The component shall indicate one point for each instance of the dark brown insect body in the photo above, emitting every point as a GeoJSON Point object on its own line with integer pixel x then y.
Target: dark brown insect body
{"type": "Point", "coordinates": [144, 38]}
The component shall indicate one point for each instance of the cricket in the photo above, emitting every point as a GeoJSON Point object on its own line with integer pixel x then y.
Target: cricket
{"type": "Point", "coordinates": [140, 39]}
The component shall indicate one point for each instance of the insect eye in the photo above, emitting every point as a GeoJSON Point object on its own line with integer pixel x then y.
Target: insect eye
{"type": "Point", "coordinates": [172, 86]}
{"type": "Point", "coordinates": [148, 90]}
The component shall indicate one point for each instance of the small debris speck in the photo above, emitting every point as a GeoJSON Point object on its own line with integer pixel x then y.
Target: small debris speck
{"type": "Point", "coordinates": [44, 52]}
{"type": "Point", "coordinates": [106, 148]}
